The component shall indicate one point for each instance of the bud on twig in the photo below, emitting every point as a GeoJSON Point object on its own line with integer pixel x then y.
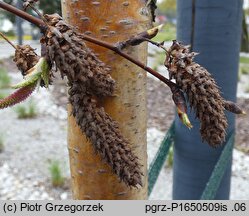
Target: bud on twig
{"type": "Point", "coordinates": [180, 102]}
{"type": "Point", "coordinates": [139, 38]}
{"type": "Point", "coordinates": [234, 108]}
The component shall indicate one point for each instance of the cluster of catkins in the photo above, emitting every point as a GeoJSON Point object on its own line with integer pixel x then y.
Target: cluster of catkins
{"type": "Point", "coordinates": [202, 91]}
{"type": "Point", "coordinates": [88, 79]}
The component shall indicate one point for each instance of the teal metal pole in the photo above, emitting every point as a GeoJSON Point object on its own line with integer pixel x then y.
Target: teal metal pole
{"type": "Point", "coordinates": [214, 28]}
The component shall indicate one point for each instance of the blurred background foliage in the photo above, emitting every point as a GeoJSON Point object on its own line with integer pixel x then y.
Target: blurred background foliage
{"type": "Point", "coordinates": [47, 6]}
{"type": "Point", "coordinates": [168, 8]}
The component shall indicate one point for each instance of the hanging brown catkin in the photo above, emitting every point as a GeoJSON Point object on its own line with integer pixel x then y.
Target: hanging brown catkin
{"type": "Point", "coordinates": [105, 135]}
{"type": "Point", "coordinates": [202, 92]}
{"type": "Point", "coordinates": [89, 77]}
{"type": "Point", "coordinates": [25, 58]}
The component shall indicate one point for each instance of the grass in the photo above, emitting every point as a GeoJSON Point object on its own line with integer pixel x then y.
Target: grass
{"type": "Point", "coordinates": [57, 178]}
{"type": "Point", "coordinates": [170, 157]}
{"type": "Point", "coordinates": [4, 78]}
{"type": "Point", "coordinates": [26, 111]}
{"type": "Point", "coordinates": [12, 38]}
{"type": "Point", "coordinates": [242, 149]}
{"type": "Point", "coordinates": [1, 143]}
{"type": "Point", "coordinates": [244, 60]}
{"type": "Point", "coordinates": [244, 69]}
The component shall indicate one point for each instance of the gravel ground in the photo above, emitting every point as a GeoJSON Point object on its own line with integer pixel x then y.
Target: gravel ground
{"type": "Point", "coordinates": [30, 147]}
{"type": "Point", "coordinates": [43, 139]}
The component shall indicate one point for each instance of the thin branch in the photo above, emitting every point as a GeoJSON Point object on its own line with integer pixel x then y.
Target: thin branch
{"type": "Point", "coordinates": [126, 56]}
{"type": "Point", "coordinates": [160, 45]}
{"type": "Point", "coordinates": [5, 38]}
{"type": "Point", "coordinates": [38, 22]}
{"type": "Point", "coordinates": [13, 45]}
{"type": "Point", "coordinates": [32, 7]}
{"type": "Point", "coordinates": [22, 14]}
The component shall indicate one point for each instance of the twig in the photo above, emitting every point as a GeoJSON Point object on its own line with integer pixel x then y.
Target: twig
{"type": "Point", "coordinates": [136, 62]}
{"type": "Point", "coordinates": [31, 6]}
{"type": "Point", "coordinates": [38, 22]}
{"type": "Point", "coordinates": [160, 45]}
{"type": "Point", "coordinates": [13, 45]}
{"type": "Point", "coordinates": [5, 38]}
{"type": "Point", "coordinates": [22, 14]}
{"type": "Point", "coordinates": [139, 38]}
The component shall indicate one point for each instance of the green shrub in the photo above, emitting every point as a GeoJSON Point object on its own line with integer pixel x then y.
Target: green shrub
{"type": "Point", "coordinates": [245, 70]}
{"type": "Point", "coordinates": [4, 79]}
{"type": "Point", "coordinates": [57, 178]}
{"type": "Point", "coordinates": [1, 143]}
{"type": "Point", "coordinates": [10, 33]}
{"type": "Point", "coordinates": [26, 111]}
{"type": "Point", "coordinates": [244, 60]}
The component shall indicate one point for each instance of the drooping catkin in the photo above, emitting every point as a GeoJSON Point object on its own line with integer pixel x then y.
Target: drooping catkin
{"type": "Point", "coordinates": [88, 77]}
{"type": "Point", "coordinates": [25, 58]}
{"type": "Point", "coordinates": [74, 59]}
{"type": "Point", "coordinates": [202, 91]}
{"type": "Point", "coordinates": [105, 135]}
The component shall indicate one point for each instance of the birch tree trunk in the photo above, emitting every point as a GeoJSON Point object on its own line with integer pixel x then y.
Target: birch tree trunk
{"type": "Point", "coordinates": [111, 21]}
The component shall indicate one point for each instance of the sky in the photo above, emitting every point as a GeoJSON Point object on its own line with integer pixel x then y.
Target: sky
{"type": "Point", "coordinates": [7, 25]}
{"type": "Point", "coordinates": [246, 3]}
